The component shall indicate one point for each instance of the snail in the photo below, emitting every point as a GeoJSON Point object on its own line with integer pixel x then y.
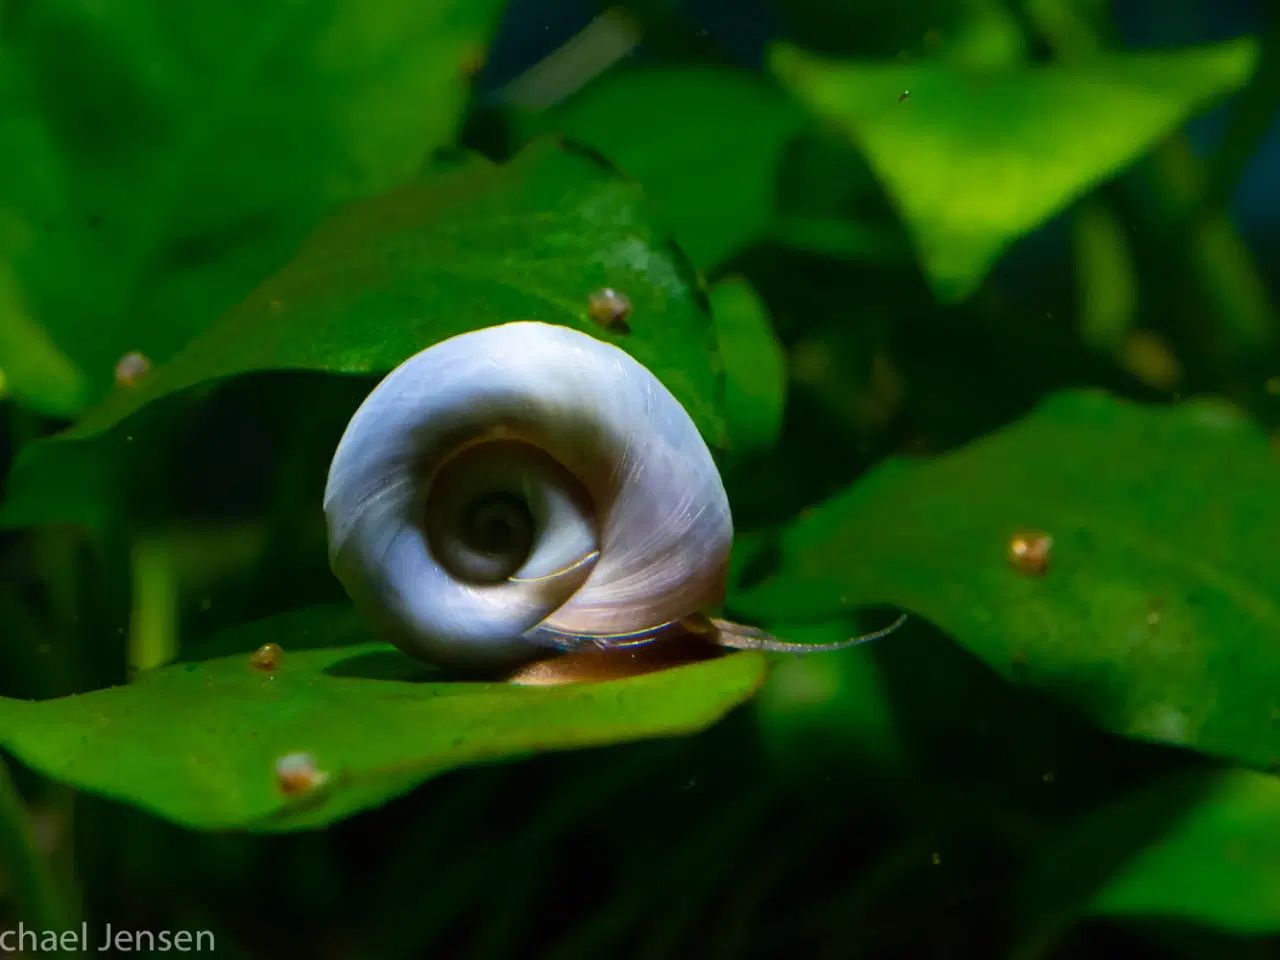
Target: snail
{"type": "Point", "coordinates": [528, 488]}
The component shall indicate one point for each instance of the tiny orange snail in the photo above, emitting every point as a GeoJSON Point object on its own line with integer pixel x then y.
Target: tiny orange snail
{"type": "Point", "coordinates": [1028, 551]}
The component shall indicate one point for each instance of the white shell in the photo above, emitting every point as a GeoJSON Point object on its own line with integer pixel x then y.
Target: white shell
{"type": "Point", "coordinates": [663, 530]}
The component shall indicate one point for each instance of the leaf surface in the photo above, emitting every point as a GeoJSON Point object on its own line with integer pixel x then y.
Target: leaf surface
{"type": "Point", "coordinates": [1158, 615]}
{"type": "Point", "coordinates": [198, 742]}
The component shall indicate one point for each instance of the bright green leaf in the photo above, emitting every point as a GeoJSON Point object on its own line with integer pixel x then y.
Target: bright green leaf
{"type": "Point", "coordinates": [473, 247]}
{"type": "Point", "coordinates": [680, 131]}
{"type": "Point", "coordinates": [975, 160]}
{"type": "Point", "coordinates": [170, 156]}
{"type": "Point", "coordinates": [755, 367]}
{"type": "Point", "coordinates": [1159, 612]}
{"type": "Point", "coordinates": [198, 742]}
{"type": "Point", "coordinates": [1200, 845]}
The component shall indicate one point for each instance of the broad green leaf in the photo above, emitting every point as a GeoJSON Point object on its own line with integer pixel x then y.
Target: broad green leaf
{"type": "Point", "coordinates": [755, 367]}
{"type": "Point", "coordinates": [1159, 612]}
{"type": "Point", "coordinates": [389, 276]}
{"type": "Point", "coordinates": [198, 742]}
{"type": "Point", "coordinates": [1201, 845]}
{"type": "Point", "coordinates": [704, 141]}
{"type": "Point", "coordinates": [976, 159]}
{"type": "Point", "coordinates": [169, 156]}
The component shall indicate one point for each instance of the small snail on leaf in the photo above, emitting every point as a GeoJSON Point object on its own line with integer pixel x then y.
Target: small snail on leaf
{"type": "Point", "coordinates": [527, 488]}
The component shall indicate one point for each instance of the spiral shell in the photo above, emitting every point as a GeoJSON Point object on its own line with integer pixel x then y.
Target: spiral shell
{"type": "Point", "coordinates": [521, 486]}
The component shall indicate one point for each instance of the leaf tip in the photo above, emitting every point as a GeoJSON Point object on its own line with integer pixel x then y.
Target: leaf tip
{"type": "Point", "coordinates": [789, 64]}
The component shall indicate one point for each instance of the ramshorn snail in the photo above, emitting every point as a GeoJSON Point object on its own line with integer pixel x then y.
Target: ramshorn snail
{"type": "Point", "coordinates": [528, 487]}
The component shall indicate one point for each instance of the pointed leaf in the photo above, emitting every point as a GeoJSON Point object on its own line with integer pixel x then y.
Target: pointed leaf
{"type": "Point", "coordinates": [975, 160]}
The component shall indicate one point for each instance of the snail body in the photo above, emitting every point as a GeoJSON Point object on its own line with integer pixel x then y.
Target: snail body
{"type": "Point", "coordinates": [528, 487]}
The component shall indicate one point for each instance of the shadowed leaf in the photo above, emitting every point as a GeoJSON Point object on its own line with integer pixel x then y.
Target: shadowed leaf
{"type": "Point", "coordinates": [755, 367]}
{"type": "Point", "coordinates": [680, 132]}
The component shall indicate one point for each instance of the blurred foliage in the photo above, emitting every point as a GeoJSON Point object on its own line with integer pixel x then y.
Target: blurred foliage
{"type": "Point", "coordinates": [755, 368]}
{"type": "Point", "coordinates": [968, 155]}
{"type": "Point", "coordinates": [1203, 865]}
{"type": "Point", "coordinates": [169, 161]}
{"type": "Point", "coordinates": [710, 176]}
{"type": "Point", "coordinates": [957, 289]}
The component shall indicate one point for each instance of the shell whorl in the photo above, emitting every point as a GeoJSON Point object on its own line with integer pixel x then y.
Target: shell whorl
{"type": "Point", "coordinates": [630, 526]}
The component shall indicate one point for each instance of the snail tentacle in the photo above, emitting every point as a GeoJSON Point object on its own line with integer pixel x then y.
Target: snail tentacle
{"type": "Point", "coordinates": [737, 636]}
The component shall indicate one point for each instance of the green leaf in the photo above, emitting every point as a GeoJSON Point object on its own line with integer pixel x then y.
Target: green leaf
{"type": "Point", "coordinates": [1203, 846]}
{"type": "Point", "coordinates": [1159, 611]}
{"type": "Point", "coordinates": [680, 131]}
{"type": "Point", "coordinates": [78, 484]}
{"type": "Point", "coordinates": [1219, 864]}
{"type": "Point", "coordinates": [755, 367]}
{"type": "Point", "coordinates": [198, 742]}
{"type": "Point", "coordinates": [974, 160]}
{"type": "Point", "coordinates": [169, 157]}
{"type": "Point", "coordinates": [389, 276]}
{"type": "Point", "coordinates": [1106, 281]}
{"type": "Point", "coordinates": [35, 372]}
{"type": "Point", "coordinates": [471, 248]}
